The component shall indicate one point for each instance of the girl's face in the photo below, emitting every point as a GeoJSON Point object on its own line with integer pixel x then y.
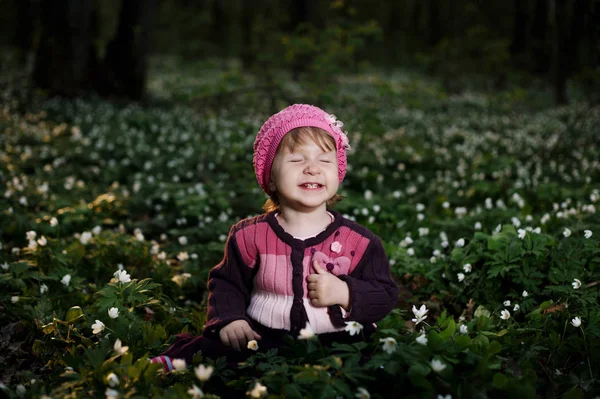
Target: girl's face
{"type": "Point", "coordinates": [306, 177]}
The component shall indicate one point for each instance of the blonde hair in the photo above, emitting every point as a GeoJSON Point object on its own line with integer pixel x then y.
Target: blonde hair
{"type": "Point", "coordinates": [301, 136]}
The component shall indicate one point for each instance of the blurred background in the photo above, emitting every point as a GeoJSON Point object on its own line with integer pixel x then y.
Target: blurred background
{"type": "Point", "coordinates": [109, 47]}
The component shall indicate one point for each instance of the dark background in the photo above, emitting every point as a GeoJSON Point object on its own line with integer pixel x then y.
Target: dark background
{"type": "Point", "coordinates": [73, 47]}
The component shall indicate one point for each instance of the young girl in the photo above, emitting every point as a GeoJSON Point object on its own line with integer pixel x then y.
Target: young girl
{"type": "Point", "coordinates": [299, 264]}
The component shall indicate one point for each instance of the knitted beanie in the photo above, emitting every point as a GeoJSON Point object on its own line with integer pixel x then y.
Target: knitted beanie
{"type": "Point", "coordinates": [297, 115]}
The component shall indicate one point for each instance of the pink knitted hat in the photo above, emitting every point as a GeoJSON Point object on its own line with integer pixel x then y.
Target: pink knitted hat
{"type": "Point", "coordinates": [297, 115]}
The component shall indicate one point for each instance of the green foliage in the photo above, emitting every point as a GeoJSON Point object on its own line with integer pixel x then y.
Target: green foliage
{"type": "Point", "coordinates": [445, 181]}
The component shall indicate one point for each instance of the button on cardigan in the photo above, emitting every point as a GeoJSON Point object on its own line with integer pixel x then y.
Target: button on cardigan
{"type": "Point", "coordinates": [262, 276]}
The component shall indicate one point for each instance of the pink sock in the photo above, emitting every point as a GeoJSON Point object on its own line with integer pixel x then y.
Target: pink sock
{"type": "Point", "coordinates": [165, 361]}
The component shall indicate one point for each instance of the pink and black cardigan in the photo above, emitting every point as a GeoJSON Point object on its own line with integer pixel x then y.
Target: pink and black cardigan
{"type": "Point", "coordinates": [262, 276]}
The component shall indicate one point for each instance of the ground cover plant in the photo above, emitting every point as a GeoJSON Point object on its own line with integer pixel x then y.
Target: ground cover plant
{"type": "Point", "coordinates": [111, 216]}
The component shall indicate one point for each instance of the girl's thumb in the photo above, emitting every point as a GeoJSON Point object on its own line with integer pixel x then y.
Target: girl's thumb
{"type": "Point", "coordinates": [318, 268]}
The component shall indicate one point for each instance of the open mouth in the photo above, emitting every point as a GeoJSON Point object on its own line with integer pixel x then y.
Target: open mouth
{"type": "Point", "coordinates": [311, 186]}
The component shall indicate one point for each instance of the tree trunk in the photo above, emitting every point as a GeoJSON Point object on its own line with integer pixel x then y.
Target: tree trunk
{"type": "Point", "coordinates": [539, 52]}
{"type": "Point", "coordinates": [415, 23]}
{"type": "Point", "coordinates": [62, 57]}
{"type": "Point", "coordinates": [217, 33]}
{"type": "Point", "coordinates": [434, 28]}
{"type": "Point", "coordinates": [560, 53]}
{"type": "Point", "coordinates": [27, 21]}
{"type": "Point", "coordinates": [247, 55]}
{"type": "Point", "coordinates": [124, 70]}
{"type": "Point", "coordinates": [576, 38]}
{"type": "Point", "coordinates": [299, 16]}
{"type": "Point", "coordinates": [519, 36]}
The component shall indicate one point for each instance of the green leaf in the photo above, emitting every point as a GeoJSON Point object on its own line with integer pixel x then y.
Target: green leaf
{"type": "Point", "coordinates": [449, 331]}
{"type": "Point", "coordinates": [74, 313]}
{"type": "Point", "coordinates": [500, 380]}
{"type": "Point", "coordinates": [462, 342]}
{"type": "Point", "coordinates": [574, 393]}
{"type": "Point", "coordinates": [493, 348]}
{"type": "Point", "coordinates": [292, 391]}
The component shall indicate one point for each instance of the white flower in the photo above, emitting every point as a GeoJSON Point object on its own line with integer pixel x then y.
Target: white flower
{"type": "Point", "coordinates": [336, 247]}
{"type": "Point", "coordinates": [66, 279]}
{"type": "Point", "coordinates": [353, 327]}
{"type": "Point", "coordinates": [21, 390]}
{"type": "Point", "coordinates": [467, 267]}
{"type": "Point", "coordinates": [111, 393]}
{"type": "Point", "coordinates": [566, 232]}
{"type": "Point", "coordinates": [31, 235]}
{"type": "Point", "coordinates": [32, 245]}
{"type": "Point", "coordinates": [420, 207]}
{"type": "Point", "coordinates": [506, 303]}
{"type": "Point", "coordinates": [522, 233]}
{"type": "Point", "coordinates": [43, 289]}
{"type": "Point", "coordinates": [576, 322]}
{"type": "Point", "coordinates": [113, 313]}
{"type": "Point", "coordinates": [112, 380]}
{"type": "Point", "coordinates": [464, 329]}
{"type": "Point", "coordinates": [183, 256]}
{"type": "Point", "coordinates": [42, 241]}
{"type": "Point", "coordinates": [389, 345]}
{"type": "Point", "coordinates": [477, 226]}
{"type": "Point", "coordinates": [517, 307]}
{"type": "Point", "coordinates": [587, 233]}
{"type": "Point", "coordinates": [203, 372]}
{"type": "Point", "coordinates": [179, 364]}
{"type": "Point", "coordinates": [420, 314]}
{"type": "Point", "coordinates": [362, 394]}
{"type": "Point", "coordinates": [97, 327]}
{"type": "Point", "coordinates": [576, 283]}
{"type": "Point", "coordinates": [421, 339]}
{"type": "Point", "coordinates": [85, 237]}
{"type": "Point", "coordinates": [4, 266]}
{"type": "Point", "coordinates": [437, 365]}
{"type": "Point", "coordinates": [307, 332]}
{"type": "Point", "coordinates": [182, 240]}
{"type": "Point", "coordinates": [410, 252]}
{"type": "Point", "coordinates": [258, 390]}
{"type": "Point", "coordinates": [444, 397]}
{"type": "Point", "coordinates": [120, 349]}
{"type": "Point", "coordinates": [53, 222]}
{"type": "Point", "coordinates": [525, 294]}
{"type": "Point", "coordinates": [195, 392]}
{"type": "Point", "coordinates": [139, 236]}
{"type": "Point", "coordinates": [253, 345]}
{"type": "Point", "coordinates": [14, 299]}
{"type": "Point", "coordinates": [96, 230]}
{"type": "Point", "coordinates": [460, 242]}
{"type": "Point", "coordinates": [122, 276]}
{"type": "Point", "coordinates": [460, 276]}
{"type": "Point", "coordinates": [505, 314]}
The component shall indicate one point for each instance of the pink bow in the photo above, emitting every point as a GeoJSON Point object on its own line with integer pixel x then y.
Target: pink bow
{"type": "Point", "coordinates": [336, 266]}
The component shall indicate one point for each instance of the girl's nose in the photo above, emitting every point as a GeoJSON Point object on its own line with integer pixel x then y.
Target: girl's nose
{"type": "Point", "coordinates": [312, 168]}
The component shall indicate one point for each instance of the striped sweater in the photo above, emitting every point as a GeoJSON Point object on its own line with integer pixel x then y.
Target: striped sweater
{"type": "Point", "coordinates": [262, 276]}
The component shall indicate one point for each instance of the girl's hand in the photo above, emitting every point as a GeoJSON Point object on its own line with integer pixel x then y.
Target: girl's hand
{"type": "Point", "coordinates": [237, 334]}
{"type": "Point", "coordinates": [325, 289]}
